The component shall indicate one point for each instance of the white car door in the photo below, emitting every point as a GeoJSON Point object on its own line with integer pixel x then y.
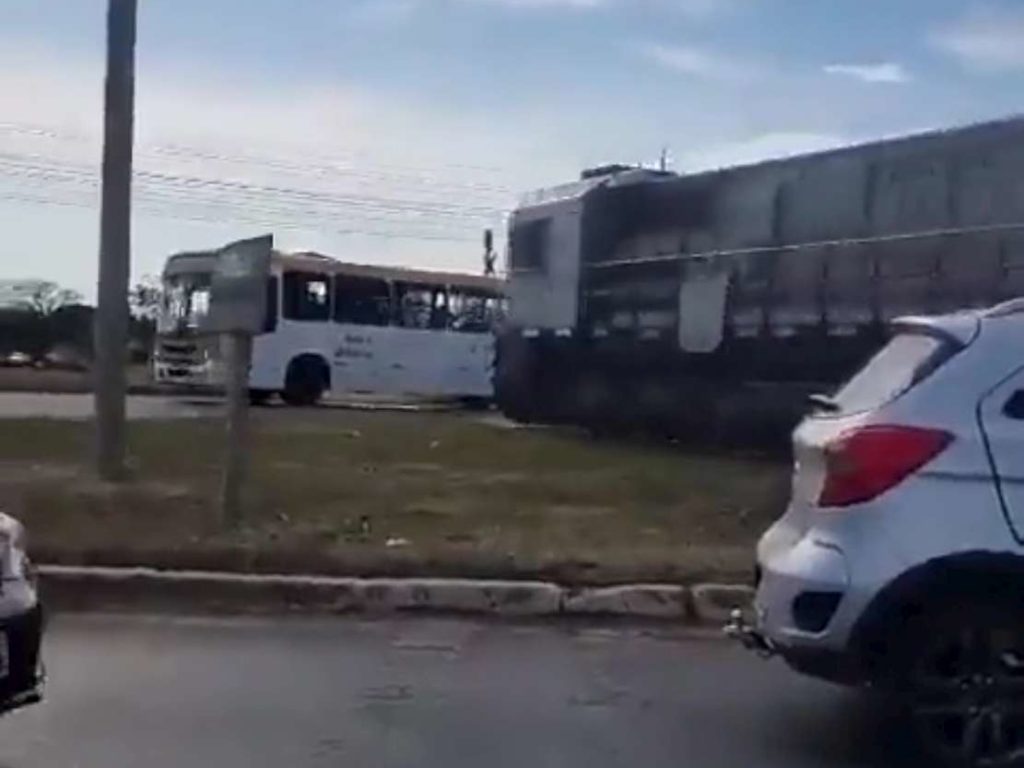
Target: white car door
{"type": "Point", "coordinates": [1002, 417]}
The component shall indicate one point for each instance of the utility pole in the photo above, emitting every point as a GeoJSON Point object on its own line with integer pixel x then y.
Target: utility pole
{"type": "Point", "coordinates": [111, 329]}
{"type": "Point", "coordinates": [489, 255]}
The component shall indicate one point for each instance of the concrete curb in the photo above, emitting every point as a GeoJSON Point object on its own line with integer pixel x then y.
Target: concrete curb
{"type": "Point", "coordinates": [90, 588]}
{"type": "Point", "coordinates": [713, 603]}
{"type": "Point", "coordinates": [649, 601]}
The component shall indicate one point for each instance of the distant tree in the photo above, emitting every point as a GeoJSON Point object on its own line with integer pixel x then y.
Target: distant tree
{"type": "Point", "coordinates": [33, 323]}
{"type": "Point", "coordinates": [144, 298]}
{"type": "Point", "coordinates": [71, 325]}
{"type": "Point", "coordinates": [45, 297]}
{"type": "Point", "coordinates": [20, 331]}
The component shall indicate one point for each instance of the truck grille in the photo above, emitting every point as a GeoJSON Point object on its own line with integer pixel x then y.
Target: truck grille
{"type": "Point", "coordinates": [179, 353]}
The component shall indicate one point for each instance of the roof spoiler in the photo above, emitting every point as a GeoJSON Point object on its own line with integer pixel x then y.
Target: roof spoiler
{"type": "Point", "coordinates": [960, 328]}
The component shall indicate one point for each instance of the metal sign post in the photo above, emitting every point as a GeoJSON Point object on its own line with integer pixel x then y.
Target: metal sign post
{"type": "Point", "coordinates": [237, 348]}
{"type": "Point", "coordinates": [237, 306]}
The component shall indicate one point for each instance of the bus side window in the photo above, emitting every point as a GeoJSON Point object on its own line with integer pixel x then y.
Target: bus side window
{"type": "Point", "coordinates": [497, 309]}
{"type": "Point", "coordinates": [414, 305]}
{"type": "Point", "coordinates": [361, 300]}
{"type": "Point", "coordinates": [472, 311]}
{"type": "Point", "coordinates": [306, 296]}
{"type": "Point", "coordinates": [270, 313]}
{"type": "Point", "coordinates": [456, 304]}
{"type": "Point", "coordinates": [439, 310]}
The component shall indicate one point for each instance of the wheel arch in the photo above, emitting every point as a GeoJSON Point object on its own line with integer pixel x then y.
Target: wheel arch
{"type": "Point", "coordinates": [314, 359]}
{"type": "Point", "coordinates": [994, 576]}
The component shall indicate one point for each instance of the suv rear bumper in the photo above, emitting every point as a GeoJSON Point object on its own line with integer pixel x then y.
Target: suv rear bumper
{"type": "Point", "coordinates": [826, 664]}
{"type": "Point", "coordinates": [816, 584]}
{"type": "Point", "coordinates": [793, 565]}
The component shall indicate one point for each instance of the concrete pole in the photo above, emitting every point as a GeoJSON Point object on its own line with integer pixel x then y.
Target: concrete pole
{"type": "Point", "coordinates": [237, 354]}
{"type": "Point", "coordinates": [111, 329]}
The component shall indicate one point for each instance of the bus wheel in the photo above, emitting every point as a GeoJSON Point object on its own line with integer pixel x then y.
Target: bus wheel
{"type": "Point", "coordinates": [305, 382]}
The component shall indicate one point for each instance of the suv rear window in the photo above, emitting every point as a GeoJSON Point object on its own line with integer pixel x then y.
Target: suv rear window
{"type": "Point", "coordinates": [903, 362]}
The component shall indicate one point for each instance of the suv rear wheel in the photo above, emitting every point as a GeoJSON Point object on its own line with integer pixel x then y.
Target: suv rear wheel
{"type": "Point", "coordinates": [961, 676]}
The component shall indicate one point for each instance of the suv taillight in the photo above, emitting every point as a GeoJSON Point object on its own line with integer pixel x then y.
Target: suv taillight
{"type": "Point", "coordinates": [867, 462]}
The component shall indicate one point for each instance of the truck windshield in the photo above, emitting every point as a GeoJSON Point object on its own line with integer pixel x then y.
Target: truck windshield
{"type": "Point", "coordinates": [186, 302]}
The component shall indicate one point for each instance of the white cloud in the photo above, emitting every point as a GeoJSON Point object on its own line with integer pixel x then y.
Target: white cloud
{"type": "Point", "coordinates": [362, 174]}
{"type": "Point", "coordinates": [695, 8]}
{"type": "Point", "coordinates": [700, 7]}
{"type": "Point", "coordinates": [883, 72]}
{"type": "Point", "coordinates": [695, 62]}
{"type": "Point", "coordinates": [373, 13]}
{"type": "Point", "coordinates": [988, 40]}
{"type": "Point", "coordinates": [544, 3]}
{"type": "Point", "coordinates": [365, 130]}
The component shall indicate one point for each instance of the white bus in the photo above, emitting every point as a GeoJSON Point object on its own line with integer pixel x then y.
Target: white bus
{"type": "Point", "coordinates": [336, 328]}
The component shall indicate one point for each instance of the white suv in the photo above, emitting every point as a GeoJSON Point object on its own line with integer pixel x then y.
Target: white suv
{"type": "Point", "coordinates": [900, 560]}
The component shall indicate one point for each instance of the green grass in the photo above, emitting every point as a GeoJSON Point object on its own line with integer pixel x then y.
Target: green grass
{"type": "Point", "coordinates": [467, 497]}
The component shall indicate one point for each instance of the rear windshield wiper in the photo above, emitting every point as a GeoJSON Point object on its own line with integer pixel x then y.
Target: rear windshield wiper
{"type": "Point", "coordinates": [823, 403]}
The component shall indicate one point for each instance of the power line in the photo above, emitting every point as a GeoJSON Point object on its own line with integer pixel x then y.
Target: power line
{"type": "Point", "coordinates": [321, 164]}
{"type": "Point", "coordinates": [222, 209]}
{"type": "Point", "coordinates": [18, 163]}
{"type": "Point", "coordinates": [149, 209]}
{"type": "Point", "coordinates": [327, 166]}
{"type": "Point", "coordinates": [406, 215]}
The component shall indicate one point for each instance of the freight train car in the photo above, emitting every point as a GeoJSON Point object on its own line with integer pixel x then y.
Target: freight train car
{"type": "Point", "coordinates": [719, 300]}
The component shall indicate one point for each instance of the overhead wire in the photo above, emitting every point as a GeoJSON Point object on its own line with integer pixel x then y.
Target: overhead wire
{"type": "Point", "coordinates": [320, 165]}
{"type": "Point", "coordinates": [223, 201]}
{"type": "Point", "coordinates": [174, 212]}
{"type": "Point", "coordinates": [60, 169]}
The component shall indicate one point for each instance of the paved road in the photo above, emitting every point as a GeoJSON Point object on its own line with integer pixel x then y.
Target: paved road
{"type": "Point", "coordinates": [155, 692]}
{"type": "Point", "coordinates": [14, 405]}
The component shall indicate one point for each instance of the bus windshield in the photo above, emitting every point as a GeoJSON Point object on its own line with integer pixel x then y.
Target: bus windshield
{"type": "Point", "coordinates": [186, 302]}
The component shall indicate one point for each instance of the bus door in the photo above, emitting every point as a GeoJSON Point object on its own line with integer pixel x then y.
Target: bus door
{"type": "Point", "coordinates": [362, 312]}
{"type": "Point", "coordinates": [471, 333]}
{"type": "Point", "coordinates": [417, 352]}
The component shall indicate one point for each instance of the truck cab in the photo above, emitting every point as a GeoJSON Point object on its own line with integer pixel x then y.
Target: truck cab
{"type": "Point", "coordinates": [548, 239]}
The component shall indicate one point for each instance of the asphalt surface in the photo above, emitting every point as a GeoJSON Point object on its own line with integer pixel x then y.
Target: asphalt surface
{"type": "Point", "coordinates": [429, 693]}
{"type": "Point", "coordinates": [20, 405]}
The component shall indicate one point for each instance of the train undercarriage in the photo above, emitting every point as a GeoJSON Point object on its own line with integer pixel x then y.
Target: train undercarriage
{"type": "Point", "coordinates": [620, 388]}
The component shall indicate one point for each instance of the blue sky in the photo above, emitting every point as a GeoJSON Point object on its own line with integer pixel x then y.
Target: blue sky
{"type": "Point", "coordinates": [393, 131]}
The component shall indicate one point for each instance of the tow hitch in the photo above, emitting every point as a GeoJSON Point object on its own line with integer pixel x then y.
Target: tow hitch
{"type": "Point", "coordinates": [740, 630]}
